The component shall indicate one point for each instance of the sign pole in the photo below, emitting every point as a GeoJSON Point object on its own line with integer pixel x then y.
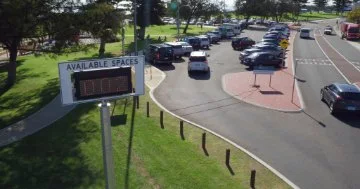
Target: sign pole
{"type": "Point", "coordinates": [107, 145]}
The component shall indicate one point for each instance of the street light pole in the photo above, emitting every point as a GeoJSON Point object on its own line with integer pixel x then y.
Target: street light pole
{"type": "Point", "coordinates": [135, 26]}
{"type": "Point", "coordinates": [177, 22]}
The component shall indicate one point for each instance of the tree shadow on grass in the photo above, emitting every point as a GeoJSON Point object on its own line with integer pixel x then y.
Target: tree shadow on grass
{"type": "Point", "coordinates": [21, 103]}
{"type": "Point", "coordinates": [52, 158]}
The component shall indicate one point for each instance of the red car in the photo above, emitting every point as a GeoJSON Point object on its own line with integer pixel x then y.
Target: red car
{"type": "Point", "coordinates": [240, 43]}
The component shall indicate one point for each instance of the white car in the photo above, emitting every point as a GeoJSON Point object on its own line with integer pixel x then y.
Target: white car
{"type": "Point", "coordinates": [198, 62]}
{"type": "Point", "coordinates": [186, 47]}
{"type": "Point", "coordinates": [204, 41]}
{"type": "Point", "coordinates": [305, 32]}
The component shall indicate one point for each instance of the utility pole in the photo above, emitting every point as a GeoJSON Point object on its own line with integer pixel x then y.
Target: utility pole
{"type": "Point", "coordinates": [135, 26]}
{"type": "Point", "coordinates": [178, 19]}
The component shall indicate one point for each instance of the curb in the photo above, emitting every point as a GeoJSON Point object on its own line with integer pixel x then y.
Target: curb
{"type": "Point", "coordinates": [277, 173]}
{"type": "Point", "coordinates": [256, 104]}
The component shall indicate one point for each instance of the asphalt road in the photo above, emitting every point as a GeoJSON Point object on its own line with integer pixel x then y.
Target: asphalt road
{"type": "Point", "coordinates": [312, 149]}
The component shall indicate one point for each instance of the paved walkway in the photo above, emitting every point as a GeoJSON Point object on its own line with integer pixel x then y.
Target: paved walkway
{"type": "Point", "coordinates": [279, 95]}
{"type": "Point", "coordinates": [54, 111]}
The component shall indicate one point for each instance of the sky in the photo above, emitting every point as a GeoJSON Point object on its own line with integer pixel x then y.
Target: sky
{"type": "Point", "coordinates": [231, 3]}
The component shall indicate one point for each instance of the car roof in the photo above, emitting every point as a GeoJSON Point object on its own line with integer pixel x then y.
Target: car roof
{"type": "Point", "coordinates": [198, 53]}
{"type": "Point", "coordinates": [344, 87]}
{"type": "Point", "coordinates": [202, 36]}
{"type": "Point", "coordinates": [304, 29]}
{"type": "Point", "coordinates": [160, 45]}
{"type": "Point", "coordinates": [172, 43]}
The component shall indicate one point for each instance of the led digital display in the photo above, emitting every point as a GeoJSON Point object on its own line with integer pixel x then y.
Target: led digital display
{"type": "Point", "coordinates": [102, 83]}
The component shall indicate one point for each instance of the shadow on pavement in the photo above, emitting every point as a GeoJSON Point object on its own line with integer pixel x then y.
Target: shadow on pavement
{"type": "Point", "coordinates": [309, 38]}
{"type": "Point", "coordinates": [164, 67]}
{"type": "Point", "coordinates": [200, 75]}
{"type": "Point", "coordinates": [351, 119]}
{"type": "Point", "coordinates": [271, 92]}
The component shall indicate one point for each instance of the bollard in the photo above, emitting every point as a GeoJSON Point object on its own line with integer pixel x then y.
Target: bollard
{"type": "Point", "coordinates": [182, 130]}
{"type": "Point", "coordinates": [252, 179]}
{"type": "Point", "coordinates": [227, 160]}
{"type": "Point", "coordinates": [204, 141]}
{"type": "Point", "coordinates": [147, 109]}
{"type": "Point", "coordinates": [161, 119]}
{"type": "Point", "coordinates": [137, 102]}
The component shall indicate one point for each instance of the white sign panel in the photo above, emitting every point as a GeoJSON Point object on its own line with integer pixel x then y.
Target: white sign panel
{"type": "Point", "coordinates": [112, 75]}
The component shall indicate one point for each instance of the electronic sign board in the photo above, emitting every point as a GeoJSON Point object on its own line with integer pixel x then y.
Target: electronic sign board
{"type": "Point", "coordinates": [101, 79]}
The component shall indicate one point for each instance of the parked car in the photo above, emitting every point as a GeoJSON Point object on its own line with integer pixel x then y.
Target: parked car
{"type": "Point", "coordinates": [276, 51]}
{"type": "Point", "coordinates": [279, 33]}
{"type": "Point", "coordinates": [304, 32]}
{"type": "Point", "coordinates": [272, 36]}
{"type": "Point", "coordinates": [341, 97]}
{"type": "Point", "coordinates": [198, 62]}
{"type": "Point", "coordinates": [159, 53]}
{"type": "Point", "coordinates": [213, 38]}
{"type": "Point", "coordinates": [265, 44]}
{"type": "Point", "coordinates": [193, 41]}
{"type": "Point", "coordinates": [216, 33]}
{"type": "Point", "coordinates": [239, 43]}
{"type": "Point", "coordinates": [328, 30]}
{"type": "Point", "coordinates": [204, 41]}
{"type": "Point", "coordinates": [177, 49]}
{"type": "Point", "coordinates": [263, 59]}
{"type": "Point", "coordinates": [187, 48]}
{"type": "Point", "coordinates": [273, 41]}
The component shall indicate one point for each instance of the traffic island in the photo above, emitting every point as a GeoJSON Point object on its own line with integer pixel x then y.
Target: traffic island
{"type": "Point", "coordinates": [275, 89]}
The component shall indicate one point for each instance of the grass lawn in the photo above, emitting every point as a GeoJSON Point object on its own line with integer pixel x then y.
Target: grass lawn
{"type": "Point", "coordinates": [68, 154]}
{"type": "Point", "coordinates": [317, 16]}
{"type": "Point", "coordinates": [169, 30]}
{"type": "Point", "coordinates": [37, 76]}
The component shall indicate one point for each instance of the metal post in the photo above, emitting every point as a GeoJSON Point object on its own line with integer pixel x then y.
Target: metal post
{"type": "Point", "coordinates": [255, 81]}
{"type": "Point", "coordinates": [177, 21]}
{"type": "Point", "coordinates": [270, 81]}
{"type": "Point", "coordinates": [293, 89]}
{"type": "Point", "coordinates": [123, 40]}
{"type": "Point", "coordinates": [283, 57]}
{"type": "Point", "coordinates": [135, 26]}
{"type": "Point", "coordinates": [106, 145]}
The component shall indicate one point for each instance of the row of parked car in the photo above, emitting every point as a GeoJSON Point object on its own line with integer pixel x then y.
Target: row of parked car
{"type": "Point", "coordinates": [267, 52]}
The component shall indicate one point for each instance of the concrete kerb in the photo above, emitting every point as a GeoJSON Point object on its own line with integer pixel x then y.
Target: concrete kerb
{"type": "Point", "coordinates": [277, 173]}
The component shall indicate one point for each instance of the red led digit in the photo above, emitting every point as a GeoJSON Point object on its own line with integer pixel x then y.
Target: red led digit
{"type": "Point", "coordinates": [105, 85]}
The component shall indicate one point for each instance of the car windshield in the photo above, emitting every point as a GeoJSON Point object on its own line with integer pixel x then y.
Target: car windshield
{"type": "Point", "coordinates": [351, 96]}
{"type": "Point", "coordinates": [305, 31]}
{"type": "Point", "coordinates": [197, 59]}
{"type": "Point", "coordinates": [185, 44]}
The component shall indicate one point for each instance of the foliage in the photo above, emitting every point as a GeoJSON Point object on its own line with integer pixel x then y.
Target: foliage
{"type": "Point", "coordinates": [320, 4]}
{"type": "Point", "coordinates": [354, 15]}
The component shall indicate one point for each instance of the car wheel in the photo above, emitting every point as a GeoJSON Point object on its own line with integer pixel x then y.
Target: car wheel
{"type": "Point", "coordinates": [322, 95]}
{"type": "Point", "coordinates": [332, 108]}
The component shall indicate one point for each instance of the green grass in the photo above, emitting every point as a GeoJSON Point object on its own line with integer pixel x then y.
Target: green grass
{"type": "Point", "coordinates": [68, 154]}
{"type": "Point", "coordinates": [37, 76]}
{"type": "Point", "coordinates": [317, 16]}
{"type": "Point", "coordinates": [169, 30]}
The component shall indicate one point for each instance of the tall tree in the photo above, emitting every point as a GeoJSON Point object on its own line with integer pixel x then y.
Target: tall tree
{"type": "Point", "coordinates": [193, 9]}
{"type": "Point", "coordinates": [354, 15]}
{"type": "Point", "coordinates": [248, 7]}
{"type": "Point", "coordinates": [102, 20]}
{"type": "Point", "coordinates": [20, 19]}
{"type": "Point", "coordinates": [320, 4]}
{"type": "Point", "coordinates": [149, 12]}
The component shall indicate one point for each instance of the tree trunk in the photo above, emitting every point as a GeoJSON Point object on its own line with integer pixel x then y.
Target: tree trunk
{"type": "Point", "coordinates": [12, 65]}
{"type": "Point", "coordinates": [141, 33]}
{"type": "Point", "coordinates": [102, 47]}
{"type": "Point", "coordinates": [186, 26]}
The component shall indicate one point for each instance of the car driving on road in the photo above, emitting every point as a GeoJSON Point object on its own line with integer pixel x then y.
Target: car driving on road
{"type": "Point", "coordinates": [263, 59]}
{"type": "Point", "coordinates": [328, 30]}
{"type": "Point", "coordinates": [198, 62]}
{"type": "Point", "coordinates": [305, 33]}
{"type": "Point", "coordinates": [341, 97]}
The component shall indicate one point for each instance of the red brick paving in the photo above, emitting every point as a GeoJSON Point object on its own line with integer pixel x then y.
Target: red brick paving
{"type": "Point", "coordinates": [278, 96]}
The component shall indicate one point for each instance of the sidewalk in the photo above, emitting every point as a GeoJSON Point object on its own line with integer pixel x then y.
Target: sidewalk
{"type": "Point", "coordinates": [55, 110]}
{"type": "Point", "coordinates": [277, 96]}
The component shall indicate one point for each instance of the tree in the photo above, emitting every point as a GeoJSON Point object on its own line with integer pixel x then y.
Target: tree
{"type": "Point", "coordinates": [320, 4]}
{"type": "Point", "coordinates": [149, 12]}
{"type": "Point", "coordinates": [340, 5]}
{"type": "Point", "coordinates": [20, 19]}
{"type": "Point", "coordinates": [248, 7]}
{"type": "Point", "coordinates": [190, 9]}
{"type": "Point", "coordinates": [354, 15]}
{"type": "Point", "coordinates": [102, 20]}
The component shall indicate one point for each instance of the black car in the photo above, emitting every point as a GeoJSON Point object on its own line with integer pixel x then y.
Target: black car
{"type": "Point", "coordinates": [159, 53]}
{"type": "Point", "coordinates": [262, 59]}
{"type": "Point", "coordinates": [213, 38]}
{"type": "Point", "coordinates": [193, 41]}
{"type": "Point", "coordinates": [240, 43]}
{"type": "Point", "coordinates": [276, 51]}
{"type": "Point", "coordinates": [341, 97]}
